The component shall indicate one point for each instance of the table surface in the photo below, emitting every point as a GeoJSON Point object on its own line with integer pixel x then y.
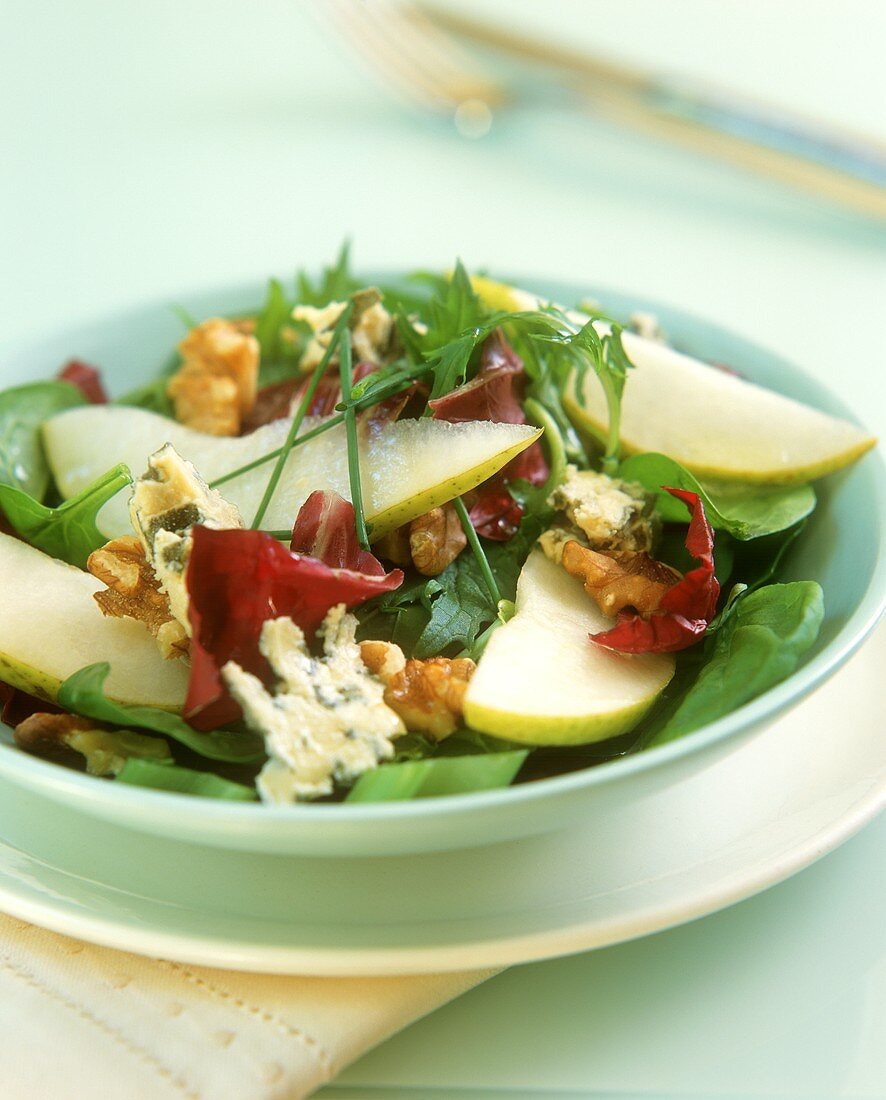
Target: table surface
{"type": "Point", "coordinates": [187, 145]}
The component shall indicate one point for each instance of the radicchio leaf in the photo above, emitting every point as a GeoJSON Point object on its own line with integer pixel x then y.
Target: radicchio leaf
{"type": "Point", "coordinates": [495, 514]}
{"type": "Point", "coordinates": [496, 393]}
{"type": "Point", "coordinates": [86, 378]}
{"type": "Point", "coordinates": [325, 529]}
{"type": "Point", "coordinates": [276, 401]}
{"type": "Point", "coordinates": [237, 579]}
{"type": "Point", "coordinates": [685, 609]}
{"type": "Point", "coordinates": [17, 705]}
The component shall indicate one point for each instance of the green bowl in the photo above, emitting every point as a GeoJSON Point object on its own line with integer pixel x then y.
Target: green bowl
{"type": "Point", "coordinates": [842, 548]}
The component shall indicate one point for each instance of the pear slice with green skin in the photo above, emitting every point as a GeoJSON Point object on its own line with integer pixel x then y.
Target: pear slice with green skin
{"type": "Point", "coordinates": [407, 467]}
{"type": "Point", "coordinates": [50, 627]}
{"type": "Point", "coordinates": [715, 424]}
{"type": "Point", "coordinates": [541, 681]}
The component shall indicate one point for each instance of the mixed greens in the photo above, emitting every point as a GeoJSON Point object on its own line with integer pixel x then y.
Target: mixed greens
{"type": "Point", "coordinates": [363, 651]}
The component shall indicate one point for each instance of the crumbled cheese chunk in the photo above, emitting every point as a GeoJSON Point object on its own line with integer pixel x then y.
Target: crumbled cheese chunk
{"type": "Point", "coordinates": [604, 512]}
{"type": "Point", "coordinates": [647, 325]}
{"type": "Point", "coordinates": [372, 328]}
{"type": "Point", "coordinates": [166, 502]}
{"type": "Point", "coordinates": [327, 721]}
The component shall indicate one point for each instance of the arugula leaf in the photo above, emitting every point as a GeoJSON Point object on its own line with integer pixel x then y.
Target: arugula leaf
{"type": "Point", "coordinates": [22, 410]}
{"type": "Point", "coordinates": [745, 511]}
{"type": "Point", "coordinates": [68, 532]}
{"type": "Point", "coordinates": [454, 309]}
{"type": "Point", "coordinates": [452, 612]}
{"type": "Point", "coordinates": [274, 314]}
{"type": "Point", "coordinates": [335, 284]}
{"type": "Point", "coordinates": [83, 693]}
{"type": "Point", "coordinates": [442, 775]}
{"type": "Point", "coordinates": [760, 643]}
{"type": "Point", "coordinates": [172, 777]}
{"type": "Point", "coordinates": [459, 610]}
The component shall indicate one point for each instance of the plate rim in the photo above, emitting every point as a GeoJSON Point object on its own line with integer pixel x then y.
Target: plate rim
{"type": "Point", "coordinates": [229, 952]}
{"type": "Point", "coordinates": [232, 954]}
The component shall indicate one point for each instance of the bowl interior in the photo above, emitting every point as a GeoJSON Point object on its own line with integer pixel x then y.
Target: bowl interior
{"type": "Point", "coordinates": [841, 547]}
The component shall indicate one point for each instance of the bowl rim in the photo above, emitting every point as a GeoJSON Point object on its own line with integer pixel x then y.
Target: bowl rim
{"type": "Point", "coordinates": [48, 776]}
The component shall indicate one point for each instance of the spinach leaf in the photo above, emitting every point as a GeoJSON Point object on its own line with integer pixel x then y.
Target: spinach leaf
{"type": "Point", "coordinates": [441, 775]}
{"type": "Point", "coordinates": [759, 643]}
{"type": "Point", "coordinates": [745, 511]}
{"type": "Point", "coordinates": [172, 777]}
{"type": "Point", "coordinates": [68, 532]}
{"type": "Point", "coordinates": [22, 410]}
{"type": "Point", "coordinates": [83, 693]}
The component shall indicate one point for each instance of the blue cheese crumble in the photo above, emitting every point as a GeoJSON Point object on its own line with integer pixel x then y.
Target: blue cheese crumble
{"type": "Point", "coordinates": [167, 500]}
{"type": "Point", "coordinates": [327, 722]}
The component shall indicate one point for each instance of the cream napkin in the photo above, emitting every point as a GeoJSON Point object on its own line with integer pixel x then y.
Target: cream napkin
{"type": "Point", "coordinates": [81, 1022]}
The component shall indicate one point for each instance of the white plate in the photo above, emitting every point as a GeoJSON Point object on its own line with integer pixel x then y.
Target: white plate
{"type": "Point", "coordinates": [777, 803]}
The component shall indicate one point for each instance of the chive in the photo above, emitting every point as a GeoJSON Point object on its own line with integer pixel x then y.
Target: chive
{"type": "Point", "coordinates": [350, 415]}
{"type": "Point", "coordinates": [478, 551]}
{"type": "Point", "coordinates": [390, 389]}
{"type": "Point", "coordinates": [319, 371]}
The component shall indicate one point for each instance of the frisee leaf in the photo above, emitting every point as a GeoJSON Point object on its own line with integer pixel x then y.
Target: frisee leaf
{"type": "Point", "coordinates": [68, 532]}
{"type": "Point", "coordinates": [83, 693]}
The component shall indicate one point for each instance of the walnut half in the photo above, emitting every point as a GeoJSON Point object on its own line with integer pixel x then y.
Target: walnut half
{"type": "Point", "coordinates": [621, 579]}
{"type": "Point", "coordinates": [215, 387]}
{"type": "Point", "coordinates": [427, 695]}
{"type": "Point", "coordinates": [133, 592]}
{"type": "Point", "coordinates": [436, 539]}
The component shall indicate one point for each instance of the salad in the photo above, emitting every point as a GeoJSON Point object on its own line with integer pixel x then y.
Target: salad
{"type": "Point", "coordinates": [373, 543]}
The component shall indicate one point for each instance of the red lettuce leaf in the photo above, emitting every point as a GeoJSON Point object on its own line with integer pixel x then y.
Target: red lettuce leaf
{"type": "Point", "coordinates": [237, 579]}
{"type": "Point", "coordinates": [87, 379]}
{"type": "Point", "coordinates": [685, 609]}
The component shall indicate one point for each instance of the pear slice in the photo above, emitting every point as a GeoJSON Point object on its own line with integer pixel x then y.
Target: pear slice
{"type": "Point", "coordinates": [407, 467]}
{"type": "Point", "coordinates": [50, 627]}
{"type": "Point", "coordinates": [715, 424]}
{"type": "Point", "coordinates": [541, 681]}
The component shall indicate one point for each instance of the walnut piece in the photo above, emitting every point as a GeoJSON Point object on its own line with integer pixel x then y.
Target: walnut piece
{"type": "Point", "coordinates": [215, 386]}
{"type": "Point", "coordinates": [105, 751]}
{"type": "Point", "coordinates": [619, 580]}
{"type": "Point", "coordinates": [394, 546]}
{"type": "Point", "coordinates": [436, 539]}
{"type": "Point", "coordinates": [134, 592]}
{"type": "Point", "coordinates": [427, 695]}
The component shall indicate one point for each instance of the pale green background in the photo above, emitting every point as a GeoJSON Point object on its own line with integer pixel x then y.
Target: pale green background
{"type": "Point", "coordinates": [153, 148]}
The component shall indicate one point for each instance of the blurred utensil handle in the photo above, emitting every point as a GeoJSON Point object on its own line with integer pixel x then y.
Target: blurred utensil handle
{"type": "Point", "coordinates": [842, 166]}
